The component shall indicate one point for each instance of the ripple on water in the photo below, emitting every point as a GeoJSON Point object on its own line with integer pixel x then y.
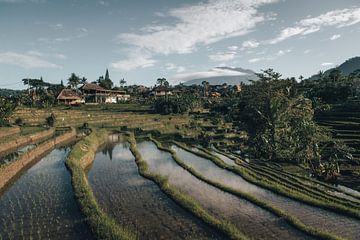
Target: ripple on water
{"type": "Point", "coordinates": [252, 220]}
{"type": "Point", "coordinates": [312, 216]}
{"type": "Point", "coordinates": [138, 203]}
{"type": "Point", "coordinates": [41, 203]}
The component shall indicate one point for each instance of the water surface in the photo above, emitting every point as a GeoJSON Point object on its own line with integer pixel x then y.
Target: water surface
{"type": "Point", "coordinates": [138, 203]}
{"type": "Point", "coordinates": [341, 225]}
{"type": "Point", "coordinates": [41, 204]}
{"type": "Point", "coordinates": [254, 221]}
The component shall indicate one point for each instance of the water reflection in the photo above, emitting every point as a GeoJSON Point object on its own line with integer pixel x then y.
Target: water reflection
{"type": "Point", "coordinates": [41, 204]}
{"type": "Point", "coordinates": [252, 220]}
{"type": "Point", "coordinates": [311, 216]}
{"type": "Point", "coordinates": [137, 202]}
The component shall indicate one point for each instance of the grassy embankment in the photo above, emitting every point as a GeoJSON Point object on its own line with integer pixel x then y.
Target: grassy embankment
{"type": "Point", "coordinates": [248, 175]}
{"type": "Point", "coordinates": [280, 173]}
{"type": "Point", "coordinates": [292, 182]}
{"type": "Point", "coordinates": [185, 201]}
{"type": "Point", "coordinates": [82, 154]}
{"type": "Point", "coordinates": [291, 220]}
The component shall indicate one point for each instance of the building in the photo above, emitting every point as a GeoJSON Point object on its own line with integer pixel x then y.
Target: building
{"type": "Point", "coordinates": [69, 97]}
{"type": "Point", "coordinates": [161, 91]}
{"type": "Point", "coordinates": [93, 93]}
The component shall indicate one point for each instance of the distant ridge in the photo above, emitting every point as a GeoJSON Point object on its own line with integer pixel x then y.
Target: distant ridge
{"type": "Point", "coordinates": [346, 68]}
{"type": "Point", "coordinates": [228, 75]}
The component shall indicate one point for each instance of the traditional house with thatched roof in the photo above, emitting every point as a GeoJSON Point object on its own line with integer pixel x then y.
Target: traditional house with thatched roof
{"type": "Point", "coordinates": [69, 97]}
{"type": "Point", "coordinates": [94, 93]}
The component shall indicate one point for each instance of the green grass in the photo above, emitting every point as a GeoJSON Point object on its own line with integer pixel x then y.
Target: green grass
{"type": "Point", "coordinates": [185, 201]}
{"type": "Point", "coordinates": [25, 131]}
{"type": "Point", "coordinates": [103, 226]}
{"type": "Point", "coordinates": [277, 188]}
{"type": "Point", "coordinates": [291, 220]}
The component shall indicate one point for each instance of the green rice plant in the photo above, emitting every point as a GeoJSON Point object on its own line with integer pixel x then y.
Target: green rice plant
{"type": "Point", "coordinates": [291, 220]}
{"type": "Point", "coordinates": [293, 183]}
{"type": "Point", "coordinates": [103, 226]}
{"type": "Point", "coordinates": [185, 201]}
{"type": "Point", "coordinates": [277, 188]}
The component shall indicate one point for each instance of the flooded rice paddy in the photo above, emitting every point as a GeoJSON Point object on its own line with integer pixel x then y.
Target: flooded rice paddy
{"type": "Point", "coordinates": [136, 202]}
{"type": "Point", "coordinates": [335, 223]}
{"type": "Point", "coordinates": [41, 203]}
{"type": "Point", "coordinates": [254, 221]}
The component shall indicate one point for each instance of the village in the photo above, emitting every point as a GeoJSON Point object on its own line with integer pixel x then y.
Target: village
{"type": "Point", "coordinates": [94, 93]}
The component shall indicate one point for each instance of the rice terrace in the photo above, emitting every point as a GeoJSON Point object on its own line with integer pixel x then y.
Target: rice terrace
{"type": "Point", "coordinates": [158, 147]}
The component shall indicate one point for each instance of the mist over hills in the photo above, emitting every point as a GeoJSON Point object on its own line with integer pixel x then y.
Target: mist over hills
{"type": "Point", "coordinates": [221, 75]}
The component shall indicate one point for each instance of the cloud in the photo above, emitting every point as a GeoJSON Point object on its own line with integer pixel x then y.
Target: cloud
{"type": "Point", "coordinates": [202, 23]}
{"type": "Point", "coordinates": [334, 37]}
{"type": "Point", "coordinates": [26, 61]}
{"type": "Point", "coordinates": [135, 60]}
{"type": "Point", "coordinates": [254, 60]}
{"type": "Point", "coordinates": [80, 33]}
{"type": "Point", "coordinates": [104, 3]}
{"type": "Point", "coordinates": [283, 52]}
{"type": "Point", "coordinates": [53, 55]}
{"type": "Point", "coordinates": [339, 18]}
{"type": "Point", "coordinates": [222, 56]}
{"type": "Point", "coordinates": [249, 44]}
{"type": "Point", "coordinates": [171, 66]}
{"type": "Point", "coordinates": [233, 48]}
{"type": "Point", "coordinates": [326, 64]}
{"type": "Point", "coordinates": [214, 72]}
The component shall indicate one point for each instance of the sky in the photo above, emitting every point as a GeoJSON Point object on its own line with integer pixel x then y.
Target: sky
{"type": "Point", "coordinates": [141, 41]}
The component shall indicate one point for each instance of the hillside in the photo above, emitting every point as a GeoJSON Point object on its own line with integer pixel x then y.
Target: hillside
{"type": "Point", "coordinates": [346, 68]}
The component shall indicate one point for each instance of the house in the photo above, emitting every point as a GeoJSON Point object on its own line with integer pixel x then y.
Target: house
{"type": "Point", "coordinates": [161, 91]}
{"type": "Point", "coordinates": [93, 93]}
{"type": "Point", "coordinates": [69, 97]}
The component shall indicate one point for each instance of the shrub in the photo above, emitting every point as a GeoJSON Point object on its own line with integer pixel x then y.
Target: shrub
{"type": "Point", "coordinates": [19, 121]}
{"type": "Point", "coordinates": [50, 121]}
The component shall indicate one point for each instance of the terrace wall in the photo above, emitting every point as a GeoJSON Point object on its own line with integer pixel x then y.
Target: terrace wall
{"type": "Point", "coordinates": [9, 132]}
{"type": "Point", "coordinates": [8, 147]}
{"type": "Point", "coordinates": [10, 171]}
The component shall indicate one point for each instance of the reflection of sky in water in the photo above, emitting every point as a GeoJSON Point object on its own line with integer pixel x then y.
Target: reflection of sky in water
{"type": "Point", "coordinates": [41, 204]}
{"type": "Point", "coordinates": [243, 214]}
{"type": "Point", "coordinates": [138, 202]}
{"type": "Point", "coordinates": [306, 213]}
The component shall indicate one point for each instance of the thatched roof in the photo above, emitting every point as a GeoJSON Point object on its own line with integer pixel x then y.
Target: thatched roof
{"type": "Point", "coordinates": [92, 86]}
{"type": "Point", "coordinates": [67, 94]}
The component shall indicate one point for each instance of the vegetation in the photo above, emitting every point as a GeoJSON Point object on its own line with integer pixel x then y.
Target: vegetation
{"type": "Point", "coordinates": [175, 105]}
{"type": "Point", "coordinates": [278, 212]}
{"type": "Point", "coordinates": [101, 224]}
{"type": "Point", "coordinates": [185, 201]}
{"type": "Point", "coordinates": [292, 193]}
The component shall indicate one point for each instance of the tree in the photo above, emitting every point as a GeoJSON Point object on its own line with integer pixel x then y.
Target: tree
{"type": "Point", "coordinates": [205, 88]}
{"type": "Point", "coordinates": [105, 82]}
{"type": "Point", "coordinates": [74, 81]}
{"type": "Point", "coordinates": [279, 121]}
{"type": "Point", "coordinates": [122, 82]}
{"type": "Point", "coordinates": [162, 82]}
{"type": "Point", "coordinates": [7, 106]}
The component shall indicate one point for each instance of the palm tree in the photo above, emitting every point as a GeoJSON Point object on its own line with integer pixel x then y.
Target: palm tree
{"type": "Point", "coordinates": [74, 81]}
{"type": "Point", "coordinates": [122, 82]}
{"type": "Point", "coordinates": [205, 87]}
{"type": "Point", "coordinates": [161, 81]}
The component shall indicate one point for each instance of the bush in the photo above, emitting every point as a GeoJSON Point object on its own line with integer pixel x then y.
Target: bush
{"type": "Point", "coordinates": [50, 121]}
{"type": "Point", "coordinates": [19, 122]}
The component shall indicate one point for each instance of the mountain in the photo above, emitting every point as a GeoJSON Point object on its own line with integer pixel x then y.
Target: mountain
{"type": "Point", "coordinates": [346, 68]}
{"type": "Point", "coordinates": [219, 75]}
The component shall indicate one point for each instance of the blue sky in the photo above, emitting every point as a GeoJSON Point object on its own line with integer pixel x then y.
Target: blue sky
{"type": "Point", "coordinates": [143, 40]}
